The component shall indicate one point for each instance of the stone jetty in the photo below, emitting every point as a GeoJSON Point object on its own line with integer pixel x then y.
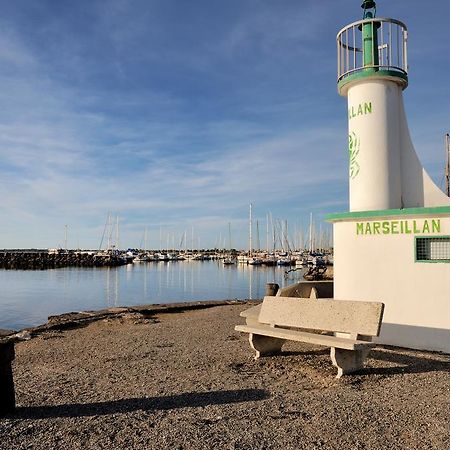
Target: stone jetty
{"type": "Point", "coordinates": [45, 259]}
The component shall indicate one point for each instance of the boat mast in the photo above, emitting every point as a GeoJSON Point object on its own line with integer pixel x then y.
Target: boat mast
{"type": "Point", "coordinates": [104, 232]}
{"type": "Point", "coordinates": [258, 243]}
{"type": "Point", "coordinates": [250, 241]}
{"type": "Point", "coordinates": [286, 240]}
{"type": "Point", "coordinates": [117, 232]}
{"type": "Point", "coordinates": [320, 238]}
{"type": "Point", "coordinates": [110, 231]}
{"type": "Point", "coordinates": [274, 234]}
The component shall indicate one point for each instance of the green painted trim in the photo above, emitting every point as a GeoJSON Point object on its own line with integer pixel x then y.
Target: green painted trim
{"type": "Point", "coordinates": [369, 72]}
{"type": "Point", "coordinates": [387, 213]}
{"type": "Point", "coordinates": [434, 261]}
{"type": "Point", "coordinates": [429, 261]}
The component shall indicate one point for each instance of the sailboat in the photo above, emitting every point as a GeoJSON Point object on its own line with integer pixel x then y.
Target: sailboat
{"type": "Point", "coordinates": [143, 256]}
{"type": "Point", "coordinates": [229, 260]}
{"type": "Point", "coordinates": [251, 260]}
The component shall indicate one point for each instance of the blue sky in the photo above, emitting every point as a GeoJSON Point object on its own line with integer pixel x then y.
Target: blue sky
{"type": "Point", "coordinates": [175, 115]}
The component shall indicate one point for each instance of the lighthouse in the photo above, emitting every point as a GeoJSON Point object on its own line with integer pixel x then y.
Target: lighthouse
{"type": "Point", "coordinates": [393, 245]}
{"type": "Point", "coordinates": [384, 170]}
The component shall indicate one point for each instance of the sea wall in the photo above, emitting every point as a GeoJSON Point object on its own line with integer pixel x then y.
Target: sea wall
{"type": "Point", "coordinates": [41, 260]}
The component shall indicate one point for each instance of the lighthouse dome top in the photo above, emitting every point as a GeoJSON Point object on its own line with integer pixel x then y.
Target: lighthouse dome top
{"type": "Point", "coordinates": [373, 47]}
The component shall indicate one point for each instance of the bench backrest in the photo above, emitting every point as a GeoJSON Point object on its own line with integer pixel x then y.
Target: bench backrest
{"type": "Point", "coordinates": [303, 289]}
{"type": "Point", "coordinates": [353, 317]}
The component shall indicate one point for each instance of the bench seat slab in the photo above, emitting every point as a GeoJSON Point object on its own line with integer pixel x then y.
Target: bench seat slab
{"type": "Point", "coordinates": [303, 336]}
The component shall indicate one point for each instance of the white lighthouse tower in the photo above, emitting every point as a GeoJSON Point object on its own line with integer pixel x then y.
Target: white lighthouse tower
{"type": "Point", "coordinates": [394, 243]}
{"type": "Point", "coordinates": [385, 172]}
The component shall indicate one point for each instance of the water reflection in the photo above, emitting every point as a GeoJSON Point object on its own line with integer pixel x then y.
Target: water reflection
{"type": "Point", "coordinates": [111, 287]}
{"type": "Point", "coordinates": [29, 297]}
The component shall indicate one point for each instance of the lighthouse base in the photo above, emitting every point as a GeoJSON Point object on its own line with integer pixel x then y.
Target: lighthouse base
{"type": "Point", "coordinates": [401, 258]}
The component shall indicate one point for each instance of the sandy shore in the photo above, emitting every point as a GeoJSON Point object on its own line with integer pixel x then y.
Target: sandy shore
{"type": "Point", "coordinates": [187, 380]}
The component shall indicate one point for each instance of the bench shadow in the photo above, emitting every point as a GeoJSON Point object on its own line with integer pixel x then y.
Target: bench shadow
{"type": "Point", "coordinates": [186, 400]}
{"type": "Point", "coordinates": [406, 363]}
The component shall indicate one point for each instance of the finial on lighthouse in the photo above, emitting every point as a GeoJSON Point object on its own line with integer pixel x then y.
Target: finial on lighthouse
{"type": "Point", "coordinates": [366, 6]}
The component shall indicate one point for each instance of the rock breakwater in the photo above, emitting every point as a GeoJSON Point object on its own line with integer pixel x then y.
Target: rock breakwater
{"type": "Point", "coordinates": [43, 259]}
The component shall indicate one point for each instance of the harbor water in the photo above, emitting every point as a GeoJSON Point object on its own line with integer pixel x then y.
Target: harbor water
{"type": "Point", "coordinates": [28, 297]}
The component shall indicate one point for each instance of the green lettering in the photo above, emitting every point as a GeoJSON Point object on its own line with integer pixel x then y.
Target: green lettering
{"type": "Point", "coordinates": [426, 226]}
{"type": "Point", "coordinates": [385, 226]}
{"type": "Point", "coordinates": [407, 229]}
{"type": "Point", "coordinates": [376, 227]}
{"type": "Point", "coordinates": [416, 230]}
{"type": "Point", "coordinates": [362, 108]}
{"type": "Point", "coordinates": [359, 228]}
{"type": "Point", "coordinates": [436, 225]}
{"type": "Point", "coordinates": [394, 226]}
{"type": "Point", "coordinates": [402, 223]}
{"type": "Point", "coordinates": [368, 229]}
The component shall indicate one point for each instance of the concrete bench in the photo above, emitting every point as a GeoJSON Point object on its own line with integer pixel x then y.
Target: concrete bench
{"type": "Point", "coordinates": [346, 326]}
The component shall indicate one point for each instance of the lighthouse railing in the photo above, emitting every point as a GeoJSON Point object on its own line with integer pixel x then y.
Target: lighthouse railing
{"type": "Point", "coordinates": [385, 39]}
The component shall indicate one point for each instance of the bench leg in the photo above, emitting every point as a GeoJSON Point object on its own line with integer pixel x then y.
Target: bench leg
{"type": "Point", "coordinates": [7, 395]}
{"type": "Point", "coordinates": [348, 361]}
{"type": "Point", "coordinates": [265, 345]}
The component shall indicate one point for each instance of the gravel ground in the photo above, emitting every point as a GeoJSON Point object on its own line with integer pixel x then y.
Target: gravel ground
{"type": "Point", "coordinates": [187, 380]}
